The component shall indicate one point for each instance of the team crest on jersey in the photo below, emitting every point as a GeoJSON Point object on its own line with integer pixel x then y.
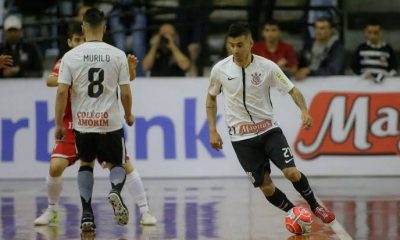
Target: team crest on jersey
{"type": "Point", "coordinates": [256, 78]}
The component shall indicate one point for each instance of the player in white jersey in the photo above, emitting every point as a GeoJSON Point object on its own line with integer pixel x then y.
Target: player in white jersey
{"type": "Point", "coordinates": [94, 71]}
{"type": "Point", "coordinates": [64, 153]}
{"type": "Point", "coordinates": [245, 81]}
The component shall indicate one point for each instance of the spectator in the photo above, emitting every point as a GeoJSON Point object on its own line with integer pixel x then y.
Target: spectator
{"type": "Point", "coordinates": [276, 50]}
{"type": "Point", "coordinates": [374, 59]}
{"type": "Point", "coordinates": [128, 19]}
{"type": "Point", "coordinates": [325, 56]}
{"type": "Point", "coordinates": [192, 19]}
{"type": "Point", "coordinates": [312, 15]}
{"type": "Point", "coordinates": [164, 57]}
{"type": "Point", "coordinates": [27, 60]}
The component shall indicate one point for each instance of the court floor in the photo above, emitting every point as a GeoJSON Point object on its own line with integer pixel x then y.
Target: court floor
{"type": "Point", "coordinates": [221, 208]}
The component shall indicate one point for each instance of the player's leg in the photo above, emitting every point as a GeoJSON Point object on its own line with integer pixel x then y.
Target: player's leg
{"type": "Point", "coordinates": [254, 161]}
{"type": "Point", "coordinates": [85, 183]}
{"type": "Point", "coordinates": [274, 195]}
{"type": "Point", "coordinates": [85, 144]}
{"type": "Point", "coordinates": [282, 157]}
{"type": "Point", "coordinates": [54, 188]}
{"type": "Point", "coordinates": [111, 149]}
{"type": "Point", "coordinates": [300, 183]}
{"type": "Point", "coordinates": [135, 188]}
{"type": "Point", "coordinates": [63, 155]}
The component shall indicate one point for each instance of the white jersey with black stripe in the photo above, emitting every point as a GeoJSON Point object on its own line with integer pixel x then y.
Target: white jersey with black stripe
{"type": "Point", "coordinates": [246, 93]}
{"type": "Point", "coordinates": [95, 70]}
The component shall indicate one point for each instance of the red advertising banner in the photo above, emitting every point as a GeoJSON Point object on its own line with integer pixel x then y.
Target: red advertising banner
{"type": "Point", "coordinates": [351, 123]}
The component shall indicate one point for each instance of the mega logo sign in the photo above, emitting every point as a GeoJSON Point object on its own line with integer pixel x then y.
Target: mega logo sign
{"type": "Point", "coordinates": [352, 124]}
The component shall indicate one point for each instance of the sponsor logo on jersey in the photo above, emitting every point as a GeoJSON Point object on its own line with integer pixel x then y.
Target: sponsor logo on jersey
{"type": "Point", "coordinates": [247, 128]}
{"type": "Point", "coordinates": [92, 119]}
{"type": "Point", "coordinates": [256, 78]}
{"type": "Point", "coordinates": [352, 124]}
{"type": "Point", "coordinates": [281, 78]}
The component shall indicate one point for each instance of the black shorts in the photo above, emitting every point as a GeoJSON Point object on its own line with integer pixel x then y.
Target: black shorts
{"type": "Point", "coordinates": [106, 147]}
{"type": "Point", "coordinates": [254, 154]}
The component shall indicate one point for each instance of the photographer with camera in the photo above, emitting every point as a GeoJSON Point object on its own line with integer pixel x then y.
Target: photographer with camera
{"type": "Point", "coordinates": [164, 57]}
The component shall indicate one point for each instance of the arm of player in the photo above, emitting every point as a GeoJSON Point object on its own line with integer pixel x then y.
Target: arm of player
{"type": "Point", "coordinates": [52, 81]}
{"type": "Point", "coordinates": [301, 103]}
{"type": "Point", "coordinates": [61, 102]}
{"type": "Point", "coordinates": [211, 109]}
{"type": "Point", "coordinates": [126, 100]}
{"type": "Point", "coordinates": [132, 64]}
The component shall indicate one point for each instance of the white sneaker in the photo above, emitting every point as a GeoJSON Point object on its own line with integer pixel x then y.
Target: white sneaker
{"type": "Point", "coordinates": [148, 219]}
{"type": "Point", "coordinates": [48, 217]}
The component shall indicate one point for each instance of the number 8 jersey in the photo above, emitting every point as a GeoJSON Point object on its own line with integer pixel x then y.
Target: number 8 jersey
{"type": "Point", "coordinates": [94, 70]}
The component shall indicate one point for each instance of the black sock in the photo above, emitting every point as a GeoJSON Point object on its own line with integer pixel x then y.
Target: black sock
{"type": "Point", "coordinates": [279, 200]}
{"type": "Point", "coordinates": [117, 178]}
{"type": "Point", "coordinates": [85, 183]}
{"type": "Point", "coordinates": [303, 187]}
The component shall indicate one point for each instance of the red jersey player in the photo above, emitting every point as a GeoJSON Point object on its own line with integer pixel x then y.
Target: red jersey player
{"type": "Point", "coordinates": [64, 152]}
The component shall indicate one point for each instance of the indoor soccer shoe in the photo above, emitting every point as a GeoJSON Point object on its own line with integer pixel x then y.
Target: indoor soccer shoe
{"type": "Point", "coordinates": [324, 214]}
{"type": "Point", "coordinates": [120, 211]}
{"type": "Point", "coordinates": [87, 223]}
{"type": "Point", "coordinates": [148, 219]}
{"type": "Point", "coordinates": [48, 217]}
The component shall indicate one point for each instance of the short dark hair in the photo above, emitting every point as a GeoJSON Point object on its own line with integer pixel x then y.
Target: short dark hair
{"type": "Point", "coordinates": [74, 28]}
{"type": "Point", "coordinates": [272, 22]}
{"type": "Point", "coordinates": [373, 22]}
{"type": "Point", "coordinates": [328, 20]}
{"type": "Point", "coordinates": [238, 29]}
{"type": "Point", "coordinates": [94, 17]}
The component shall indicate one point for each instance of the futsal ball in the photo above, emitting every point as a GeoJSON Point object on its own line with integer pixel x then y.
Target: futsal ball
{"type": "Point", "coordinates": [298, 220]}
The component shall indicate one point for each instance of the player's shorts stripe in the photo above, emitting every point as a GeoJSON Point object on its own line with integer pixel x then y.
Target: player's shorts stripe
{"type": "Point", "coordinates": [123, 150]}
{"type": "Point", "coordinates": [57, 155]}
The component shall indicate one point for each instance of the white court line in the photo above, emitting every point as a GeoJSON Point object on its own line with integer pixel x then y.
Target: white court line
{"type": "Point", "coordinates": [337, 227]}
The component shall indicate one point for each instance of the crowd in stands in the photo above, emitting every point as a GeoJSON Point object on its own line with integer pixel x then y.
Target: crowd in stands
{"type": "Point", "coordinates": [175, 51]}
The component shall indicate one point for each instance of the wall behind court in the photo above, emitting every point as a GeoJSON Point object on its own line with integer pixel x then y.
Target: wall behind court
{"type": "Point", "coordinates": [356, 129]}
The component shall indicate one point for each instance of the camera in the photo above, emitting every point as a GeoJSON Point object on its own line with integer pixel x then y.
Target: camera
{"type": "Point", "coordinates": [163, 41]}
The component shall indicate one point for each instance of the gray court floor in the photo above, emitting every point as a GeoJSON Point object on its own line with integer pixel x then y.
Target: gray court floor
{"type": "Point", "coordinates": [226, 208]}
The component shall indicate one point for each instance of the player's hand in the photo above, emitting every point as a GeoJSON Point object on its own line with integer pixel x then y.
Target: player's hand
{"type": "Point", "coordinates": [215, 140]}
{"type": "Point", "coordinates": [59, 133]}
{"type": "Point", "coordinates": [132, 61]}
{"type": "Point", "coordinates": [130, 120]}
{"type": "Point", "coordinates": [307, 120]}
{"type": "Point", "coordinates": [6, 61]}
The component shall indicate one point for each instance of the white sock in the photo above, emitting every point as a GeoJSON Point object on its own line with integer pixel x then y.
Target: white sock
{"type": "Point", "coordinates": [54, 188]}
{"type": "Point", "coordinates": [135, 188]}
